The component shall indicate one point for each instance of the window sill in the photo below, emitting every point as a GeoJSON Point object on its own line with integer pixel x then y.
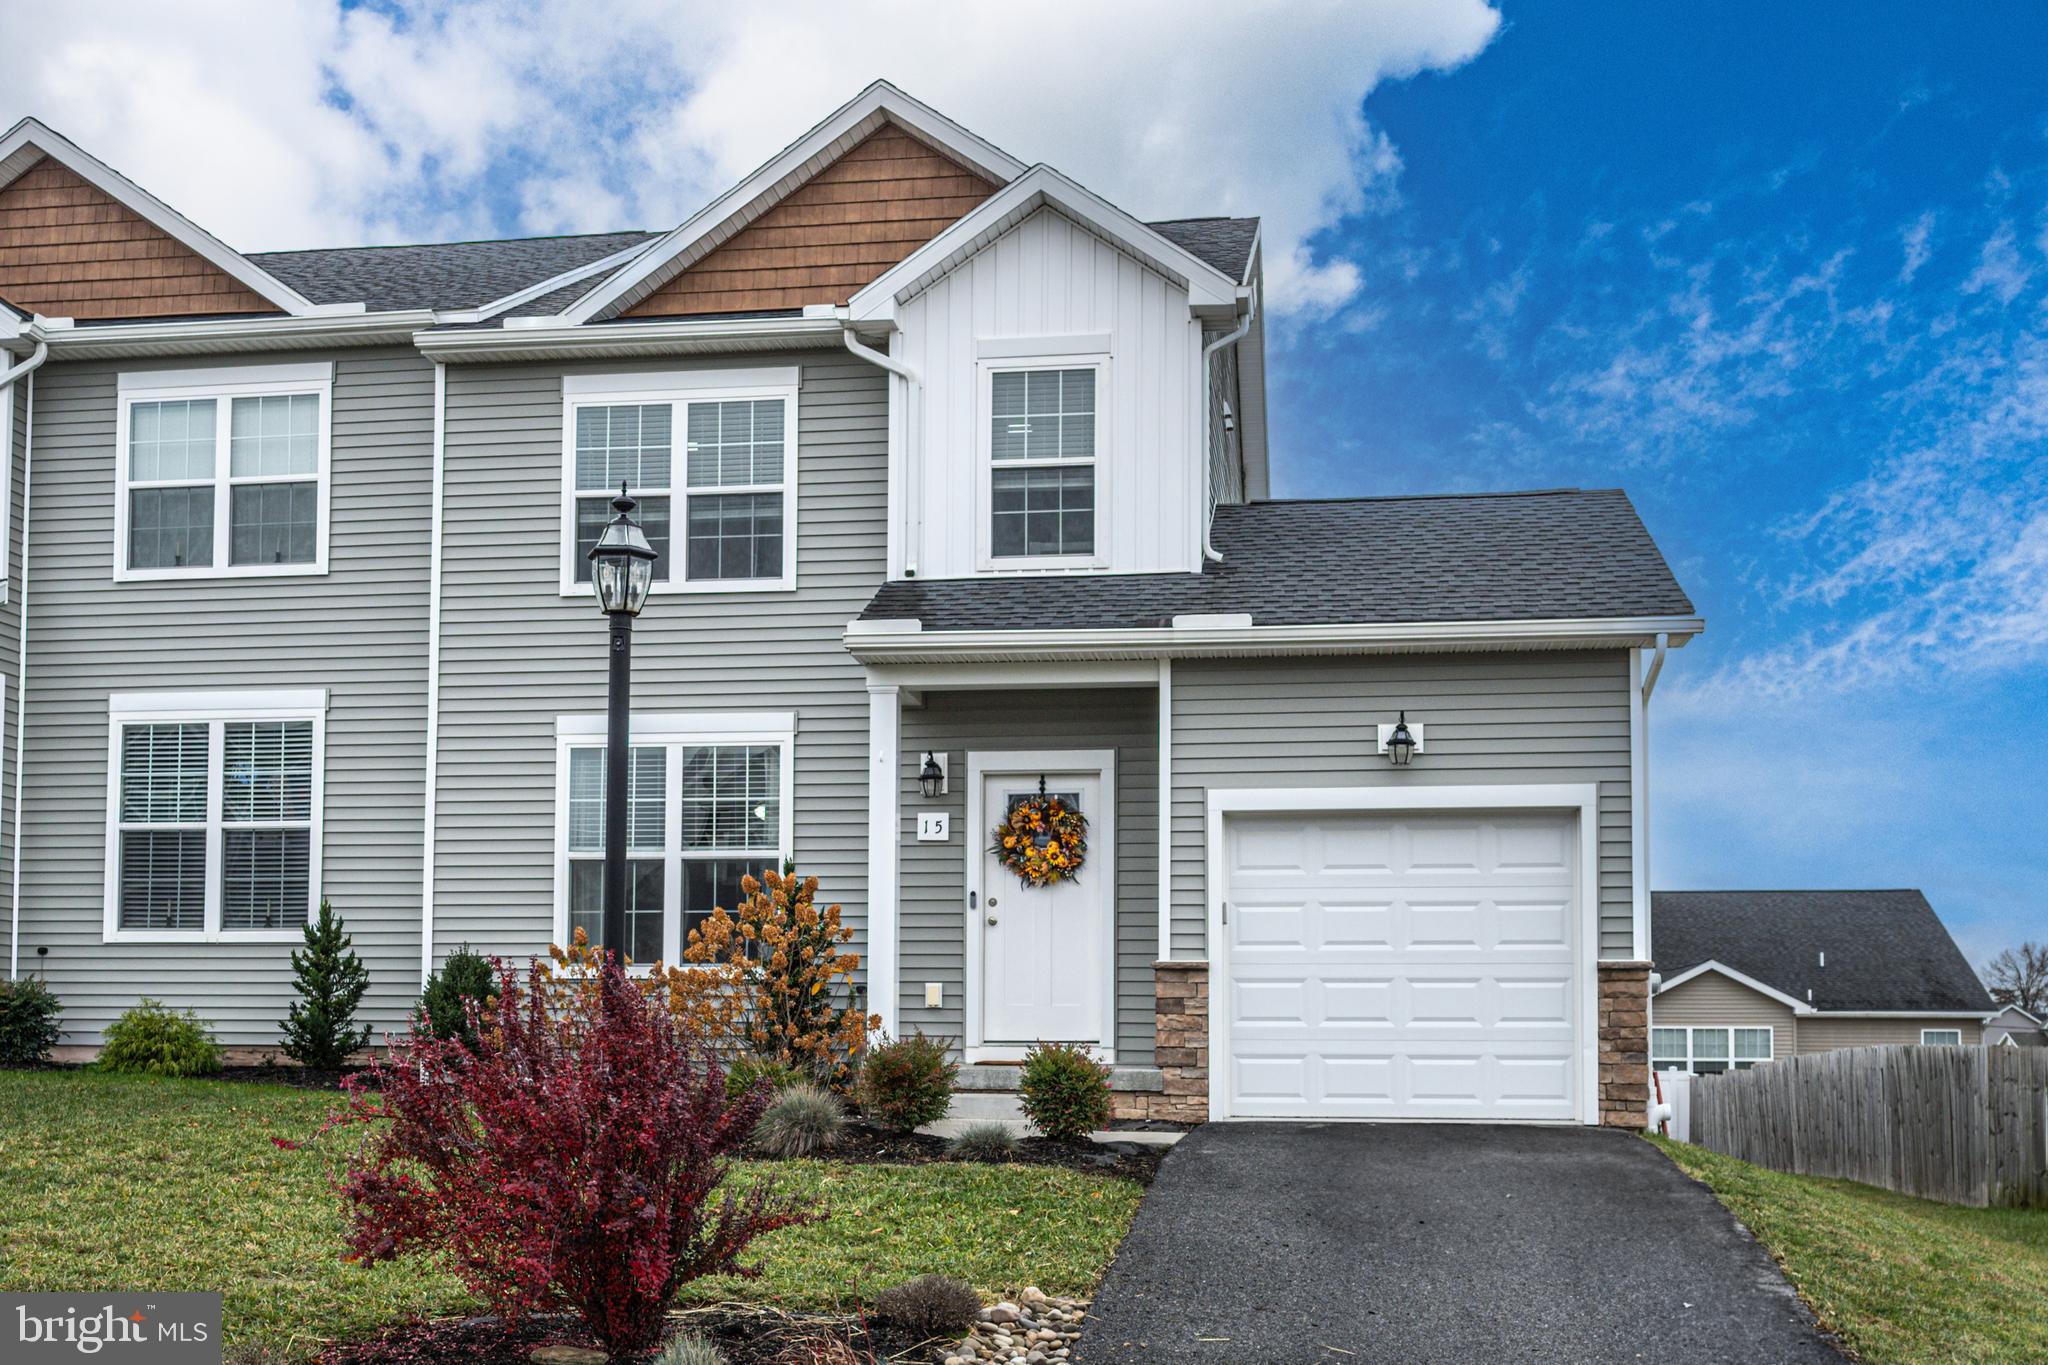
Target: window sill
{"type": "Point", "coordinates": [205, 575]}
{"type": "Point", "coordinates": [701, 587]}
{"type": "Point", "coordinates": [166, 937]}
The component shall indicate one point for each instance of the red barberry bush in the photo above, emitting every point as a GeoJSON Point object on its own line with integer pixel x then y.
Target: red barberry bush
{"type": "Point", "coordinates": [571, 1155]}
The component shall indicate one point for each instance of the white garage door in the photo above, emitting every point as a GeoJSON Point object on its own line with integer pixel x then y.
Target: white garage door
{"type": "Point", "coordinates": [1390, 966]}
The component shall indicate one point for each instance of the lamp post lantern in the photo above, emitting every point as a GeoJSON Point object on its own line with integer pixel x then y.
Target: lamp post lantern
{"type": "Point", "coordinates": [621, 572]}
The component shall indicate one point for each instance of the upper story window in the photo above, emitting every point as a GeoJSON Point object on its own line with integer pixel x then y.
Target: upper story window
{"type": "Point", "coordinates": [214, 814]}
{"type": "Point", "coordinates": [1041, 452]}
{"type": "Point", "coordinates": [223, 472]}
{"type": "Point", "coordinates": [710, 455]}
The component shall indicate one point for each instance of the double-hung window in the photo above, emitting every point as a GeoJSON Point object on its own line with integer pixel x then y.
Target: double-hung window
{"type": "Point", "coordinates": [222, 472]}
{"type": "Point", "coordinates": [710, 456]}
{"type": "Point", "coordinates": [1709, 1051]}
{"type": "Point", "coordinates": [213, 814]}
{"type": "Point", "coordinates": [1941, 1037]}
{"type": "Point", "coordinates": [1042, 428]}
{"type": "Point", "coordinates": [708, 803]}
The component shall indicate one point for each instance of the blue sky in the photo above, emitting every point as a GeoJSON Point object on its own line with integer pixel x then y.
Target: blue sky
{"type": "Point", "coordinates": [1780, 271]}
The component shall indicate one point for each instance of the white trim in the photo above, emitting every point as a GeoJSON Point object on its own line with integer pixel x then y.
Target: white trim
{"type": "Point", "coordinates": [6, 484]}
{"type": "Point", "coordinates": [2016, 1009]}
{"type": "Point", "coordinates": [1038, 188]}
{"type": "Point", "coordinates": [678, 390]}
{"type": "Point", "coordinates": [775, 179]}
{"type": "Point", "coordinates": [1041, 348]}
{"type": "Point", "coordinates": [213, 337]}
{"type": "Point", "coordinates": [1731, 1059]}
{"type": "Point", "coordinates": [1638, 808]}
{"type": "Point", "coordinates": [29, 141]}
{"type": "Point", "coordinates": [1165, 874]}
{"type": "Point", "coordinates": [981, 765]}
{"type": "Point", "coordinates": [1899, 1014]}
{"type": "Point", "coordinates": [1956, 1031]}
{"type": "Point", "coordinates": [1111, 673]}
{"type": "Point", "coordinates": [549, 339]}
{"type": "Point", "coordinates": [429, 843]}
{"type": "Point", "coordinates": [222, 386]}
{"type": "Point", "coordinates": [885, 744]}
{"type": "Point", "coordinates": [1581, 799]}
{"type": "Point", "coordinates": [544, 287]}
{"type": "Point", "coordinates": [1722, 969]}
{"type": "Point", "coordinates": [1100, 463]}
{"type": "Point", "coordinates": [215, 710]}
{"type": "Point", "coordinates": [696, 727]}
{"type": "Point", "coordinates": [28, 453]}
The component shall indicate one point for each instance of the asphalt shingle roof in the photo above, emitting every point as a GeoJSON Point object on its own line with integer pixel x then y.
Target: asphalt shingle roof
{"type": "Point", "coordinates": [1560, 554]}
{"type": "Point", "coordinates": [442, 275]}
{"type": "Point", "coordinates": [1225, 243]}
{"type": "Point", "coordinates": [1886, 950]}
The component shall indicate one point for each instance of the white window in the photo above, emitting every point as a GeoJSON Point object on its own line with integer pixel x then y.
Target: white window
{"type": "Point", "coordinates": [711, 458]}
{"type": "Point", "coordinates": [223, 472]}
{"type": "Point", "coordinates": [213, 814]}
{"type": "Point", "coordinates": [708, 802]}
{"type": "Point", "coordinates": [1941, 1037]}
{"type": "Point", "coordinates": [1043, 438]}
{"type": "Point", "coordinates": [1708, 1051]}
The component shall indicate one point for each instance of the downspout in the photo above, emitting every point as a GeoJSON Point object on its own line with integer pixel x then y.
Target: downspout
{"type": "Point", "coordinates": [28, 445]}
{"type": "Point", "coordinates": [1209, 552]}
{"type": "Point", "coordinates": [1643, 682]}
{"type": "Point", "coordinates": [433, 676]}
{"type": "Point", "coordinates": [909, 378]}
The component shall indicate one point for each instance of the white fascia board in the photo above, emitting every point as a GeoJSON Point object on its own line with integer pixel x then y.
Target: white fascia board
{"type": "Point", "coordinates": [216, 336]}
{"type": "Point", "coordinates": [542, 288]}
{"type": "Point", "coordinates": [1798, 1006]}
{"type": "Point", "coordinates": [651, 727]}
{"type": "Point", "coordinates": [1037, 188]}
{"type": "Point", "coordinates": [876, 643]}
{"type": "Point", "coordinates": [29, 141]}
{"type": "Point", "coordinates": [623, 339]}
{"type": "Point", "coordinates": [1896, 1014]}
{"type": "Point", "coordinates": [2022, 1012]}
{"type": "Point", "coordinates": [881, 102]}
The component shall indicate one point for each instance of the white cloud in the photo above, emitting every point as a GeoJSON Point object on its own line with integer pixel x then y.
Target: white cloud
{"type": "Point", "coordinates": [1999, 272]}
{"type": "Point", "coordinates": [289, 124]}
{"type": "Point", "coordinates": [1914, 244]}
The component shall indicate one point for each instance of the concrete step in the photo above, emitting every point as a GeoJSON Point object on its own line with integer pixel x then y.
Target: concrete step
{"type": "Point", "coordinates": [971, 1107]}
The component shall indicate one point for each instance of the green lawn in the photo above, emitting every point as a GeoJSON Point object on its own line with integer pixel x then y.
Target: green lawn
{"type": "Point", "coordinates": [1899, 1279]}
{"type": "Point", "coordinates": [136, 1183]}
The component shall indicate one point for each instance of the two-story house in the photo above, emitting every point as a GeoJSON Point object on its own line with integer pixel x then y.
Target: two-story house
{"type": "Point", "coordinates": [959, 475]}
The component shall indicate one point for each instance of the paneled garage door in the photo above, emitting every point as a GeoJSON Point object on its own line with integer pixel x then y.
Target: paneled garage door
{"type": "Point", "coordinates": [1392, 966]}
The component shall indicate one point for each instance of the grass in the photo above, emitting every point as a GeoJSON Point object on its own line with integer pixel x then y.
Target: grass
{"type": "Point", "coordinates": [138, 1183]}
{"type": "Point", "coordinates": [1898, 1279]}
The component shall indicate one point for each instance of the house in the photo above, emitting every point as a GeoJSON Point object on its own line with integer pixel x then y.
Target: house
{"type": "Point", "coordinates": [960, 477]}
{"type": "Point", "coordinates": [2012, 1026]}
{"type": "Point", "coordinates": [1748, 976]}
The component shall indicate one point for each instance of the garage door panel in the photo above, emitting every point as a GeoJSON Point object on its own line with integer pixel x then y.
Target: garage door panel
{"type": "Point", "coordinates": [1440, 1081]}
{"type": "Point", "coordinates": [1533, 924]}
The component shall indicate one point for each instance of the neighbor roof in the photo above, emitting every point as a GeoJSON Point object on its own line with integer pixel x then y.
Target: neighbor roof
{"type": "Point", "coordinates": [1563, 554]}
{"type": "Point", "coordinates": [1886, 950]}
{"type": "Point", "coordinates": [439, 275]}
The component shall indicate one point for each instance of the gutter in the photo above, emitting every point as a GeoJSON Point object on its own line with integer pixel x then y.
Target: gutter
{"type": "Point", "coordinates": [25, 370]}
{"type": "Point", "coordinates": [216, 335]}
{"type": "Point", "coordinates": [553, 340]}
{"type": "Point", "coordinates": [912, 517]}
{"type": "Point", "coordinates": [1209, 551]}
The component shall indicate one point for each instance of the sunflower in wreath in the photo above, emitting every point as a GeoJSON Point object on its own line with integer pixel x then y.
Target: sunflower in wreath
{"type": "Point", "coordinates": [1044, 840]}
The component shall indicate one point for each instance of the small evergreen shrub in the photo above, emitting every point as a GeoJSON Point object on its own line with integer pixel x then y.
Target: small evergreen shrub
{"type": "Point", "coordinates": [800, 1121]}
{"type": "Point", "coordinates": [747, 1071]}
{"type": "Point", "coordinates": [467, 978]}
{"type": "Point", "coordinates": [929, 1307]}
{"type": "Point", "coordinates": [906, 1082]}
{"type": "Point", "coordinates": [983, 1142]}
{"type": "Point", "coordinates": [160, 1042]}
{"type": "Point", "coordinates": [28, 1021]}
{"type": "Point", "coordinates": [690, 1350]}
{"type": "Point", "coordinates": [1064, 1090]}
{"type": "Point", "coordinates": [320, 1030]}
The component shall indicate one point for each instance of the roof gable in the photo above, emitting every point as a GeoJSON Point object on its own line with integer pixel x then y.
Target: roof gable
{"type": "Point", "coordinates": [884, 197]}
{"type": "Point", "coordinates": [79, 240]}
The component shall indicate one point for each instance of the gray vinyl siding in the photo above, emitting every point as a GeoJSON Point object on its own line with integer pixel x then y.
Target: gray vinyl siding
{"type": "Point", "coordinates": [1308, 722]}
{"type": "Point", "coordinates": [359, 631]}
{"type": "Point", "coordinates": [516, 653]}
{"type": "Point", "coordinates": [1713, 1001]}
{"type": "Point", "coordinates": [932, 901]}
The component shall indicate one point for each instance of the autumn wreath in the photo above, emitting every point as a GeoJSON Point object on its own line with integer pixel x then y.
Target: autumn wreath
{"type": "Point", "coordinates": [1044, 840]}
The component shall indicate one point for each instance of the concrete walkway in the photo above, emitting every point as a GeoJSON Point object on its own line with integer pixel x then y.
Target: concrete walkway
{"type": "Point", "coordinates": [1266, 1242]}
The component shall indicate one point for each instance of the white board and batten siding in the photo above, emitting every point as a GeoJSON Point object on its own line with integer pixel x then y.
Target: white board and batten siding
{"type": "Point", "coordinates": [1049, 288]}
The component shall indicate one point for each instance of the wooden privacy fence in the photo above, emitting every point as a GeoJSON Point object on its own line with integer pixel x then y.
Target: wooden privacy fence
{"type": "Point", "coordinates": [1965, 1125]}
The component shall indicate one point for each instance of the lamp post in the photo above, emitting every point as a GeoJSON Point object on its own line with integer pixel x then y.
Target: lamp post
{"type": "Point", "coordinates": [621, 572]}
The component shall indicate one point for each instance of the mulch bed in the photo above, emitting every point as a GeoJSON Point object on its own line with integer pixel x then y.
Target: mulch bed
{"type": "Point", "coordinates": [864, 1144]}
{"type": "Point", "coordinates": [747, 1336]}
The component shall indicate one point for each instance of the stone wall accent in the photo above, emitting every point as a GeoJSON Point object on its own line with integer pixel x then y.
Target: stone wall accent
{"type": "Point", "coordinates": [1180, 1009]}
{"type": "Point", "coordinates": [1624, 1044]}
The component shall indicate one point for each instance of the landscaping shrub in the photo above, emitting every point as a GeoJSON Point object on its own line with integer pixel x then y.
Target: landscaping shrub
{"type": "Point", "coordinates": [983, 1142]}
{"type": "Point", "coordinates": [571, 1156]}
{"type": "Point", "coordinates": [767, 976]}
{"type": "Point", "coordinates": [1064, 1090]}
{"type": "Point", "coordinates": [801, 1120]}
{"type": "Point", "coordinates": [748, 1071]}
{"type": "Point", "coordinates": [465, 979]}
{"type": "Point", "coordinates": [929, 1306]}
{"type": "Point", "coordinates": [319, 1029]}
{"type": "Point", "coordinates": [906, 1082]}
{"type": "Point", "coordinates": [690, 1350]}
{"type": "Point", "coordinates": [161, 1042]}
{"type": "Point", "coordinates": [28, 1021]}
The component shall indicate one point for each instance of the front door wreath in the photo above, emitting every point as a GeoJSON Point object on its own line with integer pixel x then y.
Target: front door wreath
{"type": "Point", "coordinates": [1043, 841]}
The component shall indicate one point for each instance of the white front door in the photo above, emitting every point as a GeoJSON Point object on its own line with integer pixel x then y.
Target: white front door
{"type": "Point", "coordinates": [1045, 949]}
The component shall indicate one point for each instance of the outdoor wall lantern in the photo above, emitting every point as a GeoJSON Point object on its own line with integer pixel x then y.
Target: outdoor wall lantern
{"type": "Point", "coordinates": [1399, 742]}
{"type": "Point", "coordinates": [931, 778]}
{"type": "Point", "coordinates": [621, 572]}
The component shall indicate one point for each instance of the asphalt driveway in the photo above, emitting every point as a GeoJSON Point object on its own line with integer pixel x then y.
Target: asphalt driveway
{"type": "Point", "coordinates": [1295, 1243]}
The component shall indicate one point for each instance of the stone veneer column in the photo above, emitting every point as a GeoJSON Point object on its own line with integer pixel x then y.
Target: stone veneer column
{"type": "Point", "coordinates": [1624, 1044]}
{"type": "Point", "coordinates": [1180, 1011]}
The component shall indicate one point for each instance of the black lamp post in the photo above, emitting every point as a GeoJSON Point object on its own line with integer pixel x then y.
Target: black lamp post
{"type": "Point", "coordinates": [621, 571]}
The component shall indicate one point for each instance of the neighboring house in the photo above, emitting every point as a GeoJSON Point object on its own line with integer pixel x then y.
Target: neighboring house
{"type": "Point", "coordinates": [1747, 976]}
{"type": "Point", "coordinates": [952, 464]}
{"type": "Point", "coordinates": [2014, 1027]}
